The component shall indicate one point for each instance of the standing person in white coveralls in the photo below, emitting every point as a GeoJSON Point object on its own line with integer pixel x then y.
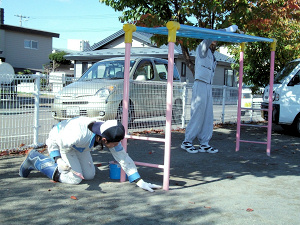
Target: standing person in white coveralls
{"type": "Point", "coordinates": [201, 122]}
{"type": "Point", "coordinates": [69, 145]}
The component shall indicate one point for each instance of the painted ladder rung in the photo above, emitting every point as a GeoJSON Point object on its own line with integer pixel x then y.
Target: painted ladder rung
{"type": "Point", "coordinates": [254, 109]}
{"type": "Point", "coordinates": [149, 165]}
{"type": "Point", "coordinates": [257, 142]}
{"type": "Point", "coordinates": [145, 138]}
{"type": "Point", "coordinates": [253, 125]}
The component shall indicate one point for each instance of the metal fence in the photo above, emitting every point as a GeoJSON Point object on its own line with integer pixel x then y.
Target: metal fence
{"type": "Point", "coordinates": [29, 103]}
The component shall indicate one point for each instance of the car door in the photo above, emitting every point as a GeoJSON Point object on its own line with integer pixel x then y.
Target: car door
{"type": "Point", "coordinates": [142, 92]}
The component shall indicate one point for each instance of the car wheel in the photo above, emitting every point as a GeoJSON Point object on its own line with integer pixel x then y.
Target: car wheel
{"type": "Point", "coordinates": [286, 127]}
{"type": "Point", "coordinates": [294, 127]}
{"type": "Point", "coordinates": [177, 111]}
{"type": "Point", "coordinates": [130, 113]}
{"type": "Point", "coordinates": [297, 125]}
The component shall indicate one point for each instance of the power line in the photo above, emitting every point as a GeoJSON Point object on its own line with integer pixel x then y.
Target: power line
{"type": "Point", "coordinates": [102, 16]}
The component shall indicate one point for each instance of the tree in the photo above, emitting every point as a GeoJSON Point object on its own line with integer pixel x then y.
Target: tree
{"type": "Point", "coordinates": [275, 18]}
{"type": "Point", "coordinates": [204, 13]}
{"type": "Point", "coordinates": [57, 58]}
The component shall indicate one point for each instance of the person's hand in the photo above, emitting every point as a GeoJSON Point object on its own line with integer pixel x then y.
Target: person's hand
{"type": "Point", "coordinates": [147, 186]}
{"type": "Point", "coordinates": [232, 28]}
{"type": "Point", "coordinates": [63, 167]}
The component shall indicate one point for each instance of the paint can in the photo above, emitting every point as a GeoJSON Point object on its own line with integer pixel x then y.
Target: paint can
{"type": "Point", "coordinates": [114, 170]}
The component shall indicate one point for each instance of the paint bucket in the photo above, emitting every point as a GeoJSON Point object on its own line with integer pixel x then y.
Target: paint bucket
{"type": "Point", "coordinates": [114, 170]}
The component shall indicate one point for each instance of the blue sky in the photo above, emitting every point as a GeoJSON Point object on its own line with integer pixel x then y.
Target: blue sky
{"type": "Point", "coordinates": [72, 19]}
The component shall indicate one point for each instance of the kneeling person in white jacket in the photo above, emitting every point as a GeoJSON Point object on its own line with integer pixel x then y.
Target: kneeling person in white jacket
{"type": "Point", "coordinates": [69, 145]}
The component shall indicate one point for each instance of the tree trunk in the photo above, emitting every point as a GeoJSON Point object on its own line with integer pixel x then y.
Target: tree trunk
{"type": "Point", "coordinates": [186, 55]}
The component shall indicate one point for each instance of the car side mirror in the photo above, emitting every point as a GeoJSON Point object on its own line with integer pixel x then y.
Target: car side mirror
{"type": "Point", "coordinates": [294, 81]}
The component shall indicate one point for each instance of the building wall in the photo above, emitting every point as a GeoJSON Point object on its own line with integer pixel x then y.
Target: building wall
{"type": "Point", "coordinates": [2, 43]}
{"type": "Point", "coordinates": [20, 57]}
{"type": "Point", "coordinates": [77, 44]}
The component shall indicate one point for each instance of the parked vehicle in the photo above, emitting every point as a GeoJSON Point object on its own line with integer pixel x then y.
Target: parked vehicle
{"type": "Point", "coordinates": [286, 97]}
{"type": "Point", "coordinates": [99, 91]}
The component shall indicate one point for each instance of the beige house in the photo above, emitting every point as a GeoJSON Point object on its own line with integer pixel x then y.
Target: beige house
{"type": "Point", "coordinates": [114, 46]}
{"type": "Point", "coordinates": [24, 48]}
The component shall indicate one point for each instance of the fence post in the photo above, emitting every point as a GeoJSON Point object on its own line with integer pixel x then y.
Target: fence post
{"type": "Point", "coordinates": [184, 96]}
{"type": "Point", "coordinates": [251, 110]}
{"type": "Point", "coordinates": [223, 103]}
{"type": "Point", "coordinates": [36, 94]}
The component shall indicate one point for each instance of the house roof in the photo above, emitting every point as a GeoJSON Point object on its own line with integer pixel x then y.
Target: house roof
{"type": "Point", "coordinates": [116, 52]}
{"type": "Point", "coordinates": [140, 36]}
{"type": "Point", "coordinates": [28, 30]}
{"type": "Point", "coordinates": [96, 52]}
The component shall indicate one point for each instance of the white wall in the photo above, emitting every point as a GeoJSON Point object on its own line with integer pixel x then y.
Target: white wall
{"type": "Point", "coordinates": [20, 57]}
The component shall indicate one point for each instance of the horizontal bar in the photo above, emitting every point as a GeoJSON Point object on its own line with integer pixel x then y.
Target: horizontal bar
{"type": "Point", "coordinates": [257, 142]}
{"type": "Point", "coordinates": [252, 125]}
{"type": "Point", "coordinates": [145, 138]}
{"type": "Point", "coordinates": [204, 33]}
{"type": "Point", "coordinates": [258, 109]}
{"type": "Point", "coordinates": [149, 165]}
{"type": "Point", "coordinates": [144, 164]}
{"type": "Point", "coordinates": [223, 33]}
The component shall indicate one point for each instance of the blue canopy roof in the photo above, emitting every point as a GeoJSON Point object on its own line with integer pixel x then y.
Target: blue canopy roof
{"type": "Point", "coordinates": [204, 33]}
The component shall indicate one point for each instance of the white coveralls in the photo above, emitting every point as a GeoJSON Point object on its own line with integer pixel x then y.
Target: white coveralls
{"type": "Point", "coordinates": [72, 140]}
{"type": "Point", "coordinates": [201, 123]}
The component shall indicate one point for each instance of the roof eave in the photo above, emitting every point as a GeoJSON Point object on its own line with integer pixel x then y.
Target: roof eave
{"type": "Point", "coordinates": [28, 30]}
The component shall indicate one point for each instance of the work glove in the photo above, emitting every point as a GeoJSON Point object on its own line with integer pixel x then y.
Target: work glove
{"type": "Point", "coordinates": [147, 186]}
{"type": "Point", "coordinates": [63, 167]}
{"type": "Point", "coordinates": [232, 28]}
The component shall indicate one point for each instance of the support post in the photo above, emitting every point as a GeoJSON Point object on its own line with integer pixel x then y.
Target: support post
{"type": "Point", "coordinates": [129, 29]}
{"type": "Point", "coordinates": [172, 28]}
{"type": "Point", "coordinates": [224, 103]}
{"type": "Point", "coordinates": [37, 85]}
{"type": "Point", "coordinates": [270, 108]}
{"type": "Point", "coordinates": [238, 129]}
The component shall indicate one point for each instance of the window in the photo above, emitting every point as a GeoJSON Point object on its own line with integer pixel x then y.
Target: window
{"type": "Point", "coordinates": [30, 44]}
{"type": "Point", "coordinates": [34, 44]}
{"type": "Point", "coordinates": [84, 67]}
{"type": "Point", "coordinates": [183, 69]}
{"type": "Point", "coordinates": [162, 70]}
{"type": "Point", "coordinates": [229, 78]}
{"type": "Point", "coordinates": [27, 44]}
{"type": "Point", "coordinates": [144, 71]}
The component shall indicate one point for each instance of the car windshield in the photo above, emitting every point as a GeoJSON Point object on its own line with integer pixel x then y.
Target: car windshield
{"type": "Point", "coordinates": [285, 72]}
{"type": "Point", "coordinates": [106, 70]}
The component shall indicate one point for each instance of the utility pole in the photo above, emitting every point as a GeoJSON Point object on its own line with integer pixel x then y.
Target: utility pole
{"type": "Point", "coordinates": [21, 18]}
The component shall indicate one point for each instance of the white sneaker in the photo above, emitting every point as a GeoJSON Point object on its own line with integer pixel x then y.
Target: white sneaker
{"type": "Point", "coordinates": [208, 149]}
{"type": "Point", "coordinates": [189, 147]}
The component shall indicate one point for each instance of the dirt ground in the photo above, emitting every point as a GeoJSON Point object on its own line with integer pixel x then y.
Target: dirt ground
{"type": "Point", "coordinates": [244, 187]}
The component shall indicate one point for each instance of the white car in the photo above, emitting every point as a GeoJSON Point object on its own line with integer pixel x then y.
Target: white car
{"type": "Point", "coordinates": [98, 92]}
{"type": "Point", "coordinates": [286, 98]}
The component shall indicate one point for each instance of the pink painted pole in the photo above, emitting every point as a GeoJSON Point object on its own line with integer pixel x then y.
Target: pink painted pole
{"type": "Point", "coordinates": [270, 108]}
{"type": "Point", "coordinates": [128, 28]}
{"type": "Point", "coordinates": [238, 129]}
{"type": "Point", "coordinates": [167, 155]}
{"type": "Point", "coordinates": [172, 28]}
